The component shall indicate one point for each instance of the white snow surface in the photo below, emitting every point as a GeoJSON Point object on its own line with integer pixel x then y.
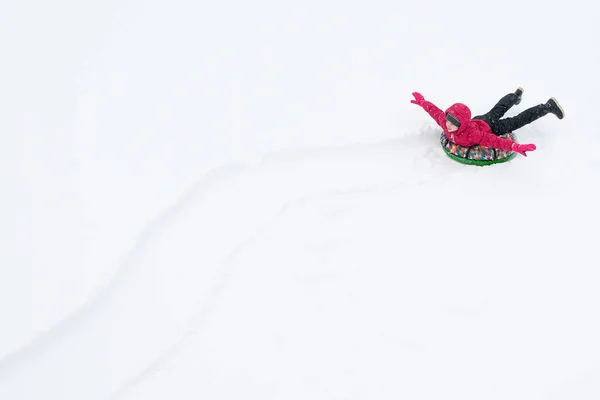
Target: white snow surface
{"type": "Point", "coordinates": [227, 200]}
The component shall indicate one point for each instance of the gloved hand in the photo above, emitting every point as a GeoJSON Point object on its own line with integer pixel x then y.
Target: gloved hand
{"type": "Point", "coordinates": [419, 99]}
{"type": "Point", "coordinates": [522, 148]}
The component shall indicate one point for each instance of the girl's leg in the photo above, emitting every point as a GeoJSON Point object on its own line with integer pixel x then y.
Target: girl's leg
{"type": "Point", "coordinates": [511, 124]}
{"type": "Point", "coordinates": [493, 116]}
{"type": "Point", "coordinates": [503, 105]}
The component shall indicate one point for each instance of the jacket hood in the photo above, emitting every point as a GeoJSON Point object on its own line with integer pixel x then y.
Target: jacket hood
{"type": "Point", "coordinates": [462, 113]}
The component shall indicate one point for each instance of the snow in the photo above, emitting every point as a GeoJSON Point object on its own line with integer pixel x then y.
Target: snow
{"type": "Point", "coordinates": [238, 200]}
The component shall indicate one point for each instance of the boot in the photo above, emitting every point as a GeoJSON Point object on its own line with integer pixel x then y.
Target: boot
{"type": "Point", "coordinates": [519, 93]}
{"type": "Point", "coordinates": [555, 108]}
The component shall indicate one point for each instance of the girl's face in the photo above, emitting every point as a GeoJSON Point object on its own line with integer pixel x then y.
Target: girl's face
{"type": "Point", "coordinates": [450, 126]}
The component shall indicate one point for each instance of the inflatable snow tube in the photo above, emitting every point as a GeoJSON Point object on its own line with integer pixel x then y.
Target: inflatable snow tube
{"type": "Point", "coordinates": [477, 155]}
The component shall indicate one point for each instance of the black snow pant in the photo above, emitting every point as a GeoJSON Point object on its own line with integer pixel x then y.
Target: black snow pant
{"type": "Point", "coordinates": [501, 126]}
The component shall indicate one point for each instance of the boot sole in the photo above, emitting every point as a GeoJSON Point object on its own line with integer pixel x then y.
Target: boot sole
{"type": "Point", "coordinates": [559, 107]}
{"type": "Point", "coordinates": [522, 91]}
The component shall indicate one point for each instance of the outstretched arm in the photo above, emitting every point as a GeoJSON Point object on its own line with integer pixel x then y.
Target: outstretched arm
{"type": "Point", "coordinates": [438, 115]}
{"type": "Point", "coordinates": [491, 140]}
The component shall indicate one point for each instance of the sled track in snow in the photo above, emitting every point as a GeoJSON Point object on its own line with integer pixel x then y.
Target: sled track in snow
{"type": "Point", "coordinates": [129, 267]}
{"type": "Point", "coordinates": [226, 270]}
{"type": "Point", "coordinates": [196, 324]}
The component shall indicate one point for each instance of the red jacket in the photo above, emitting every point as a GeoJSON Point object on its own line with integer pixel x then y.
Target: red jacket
{"type": "Point", "coordinates": [470, 132]}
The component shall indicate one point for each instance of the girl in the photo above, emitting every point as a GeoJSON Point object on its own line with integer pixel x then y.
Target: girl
{"type": "Point", "coordinates": [484, 129]}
